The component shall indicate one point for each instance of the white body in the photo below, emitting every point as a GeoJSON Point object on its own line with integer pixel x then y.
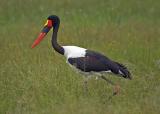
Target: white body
{"type": "Point", "coordinates": [74, 51]}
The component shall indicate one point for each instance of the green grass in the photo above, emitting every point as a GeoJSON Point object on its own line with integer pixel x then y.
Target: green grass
{"type": "Point", "coordinates": [38, 81]}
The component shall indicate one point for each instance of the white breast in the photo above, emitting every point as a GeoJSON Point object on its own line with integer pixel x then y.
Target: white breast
{"type": "Point", "coordinates": [74, 51]}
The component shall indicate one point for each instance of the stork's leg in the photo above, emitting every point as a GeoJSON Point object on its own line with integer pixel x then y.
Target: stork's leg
{"type": "Point", "coordinates": [116, 87]}
{"type": "Point", "coordinates": [85, 84]}
{"type": "Point", "coordinates": [107, 80]}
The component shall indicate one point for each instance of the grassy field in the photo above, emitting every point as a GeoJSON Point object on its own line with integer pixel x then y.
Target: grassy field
{"type": "Point", "coordinates": [38, 81]}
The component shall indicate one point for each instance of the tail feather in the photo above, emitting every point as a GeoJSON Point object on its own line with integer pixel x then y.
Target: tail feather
{"type": "Point", "coordinates": [124, 71]}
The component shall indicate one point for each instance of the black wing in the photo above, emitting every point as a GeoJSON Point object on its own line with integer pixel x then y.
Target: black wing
{"type": "Point", "coordinates": [97, 62]}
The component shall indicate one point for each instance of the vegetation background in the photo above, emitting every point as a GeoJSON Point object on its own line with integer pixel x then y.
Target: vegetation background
{"type": "Point", "coordinates": [38, 81]}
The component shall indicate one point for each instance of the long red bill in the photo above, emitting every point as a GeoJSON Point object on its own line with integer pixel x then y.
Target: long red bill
{"type": "Point", "coordinates": [39, 39]}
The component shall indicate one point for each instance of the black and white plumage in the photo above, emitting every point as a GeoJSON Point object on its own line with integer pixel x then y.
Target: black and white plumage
{"type": "Point", "coordinates": [89, 61]}
{"type": "Point", "coordinates": [84, 60]}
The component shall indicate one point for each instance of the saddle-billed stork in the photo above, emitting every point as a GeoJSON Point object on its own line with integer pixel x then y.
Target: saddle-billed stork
{"type": "Point", "coordinates": [86, 61]}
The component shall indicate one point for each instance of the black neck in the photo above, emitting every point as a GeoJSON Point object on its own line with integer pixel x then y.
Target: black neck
{"type": "Point", "coordinates": [55, 45]}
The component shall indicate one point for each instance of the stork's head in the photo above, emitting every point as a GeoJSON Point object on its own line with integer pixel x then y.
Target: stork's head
{"type": "Point", "coordinates": [52, 21]}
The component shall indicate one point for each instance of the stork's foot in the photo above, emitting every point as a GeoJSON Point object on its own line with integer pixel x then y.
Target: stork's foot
{"type": "Point", "coordinates": [116, 90]}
